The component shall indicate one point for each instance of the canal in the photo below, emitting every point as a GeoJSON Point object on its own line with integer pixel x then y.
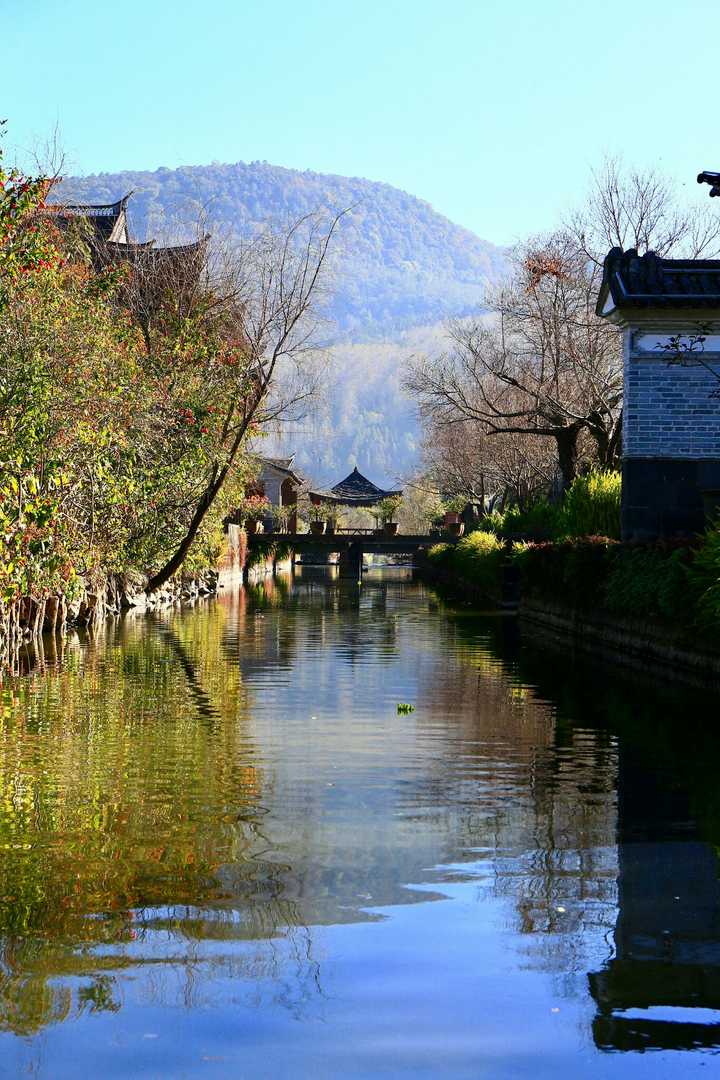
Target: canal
{"type": "Point", "coordinates": [225, 853]}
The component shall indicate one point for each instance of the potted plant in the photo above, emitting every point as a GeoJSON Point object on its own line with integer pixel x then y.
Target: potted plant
{"type": "Point", "coordinates": [281, 518]}
{"type": "Point", "coordinates": [387, 512]}
{"type": "Point", "coordinates": [316, 519]}
{"type": "Point", "coordinates": [454, 526]}
{"type": "Point", "coordinates": [332, 518]}
{"type": "Point", "coordinates": [254, 508]}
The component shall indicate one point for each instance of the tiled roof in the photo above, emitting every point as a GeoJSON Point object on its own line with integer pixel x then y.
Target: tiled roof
{"type": "Point", "coordinates": [108, 220]}
{"type": "Point", "coordinates": [632, 280]}
{"type": "Point", "coordinates": [283, 465]}
{"type": "Point", "coordinates": [356, 490]}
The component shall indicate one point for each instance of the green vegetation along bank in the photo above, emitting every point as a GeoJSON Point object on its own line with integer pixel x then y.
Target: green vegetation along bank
{"type": "Point", "coordinates": [580, 576]}
{"type": "Point", "coordinates": [132, 383]}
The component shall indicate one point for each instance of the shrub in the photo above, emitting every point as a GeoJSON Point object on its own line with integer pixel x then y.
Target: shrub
{"type": "Point", "coordinates": [592, 505]}
{"type": "Point", "coordinates": [493, 522]}
{"type": "Point", "coordinates": [476, 559]}
{"type": "Point", "coordinates": [646, 581]}
{"type": "Point", "coordinates": [703, 577]}
{"type": "Point", "coordinates": [591, 508]}
{"type": "Point", "coordinates": [541, 520]}
{"type": "Point", "coordinates": [571, 571]}
{"type": "Point", "coordinates": [439, 554]}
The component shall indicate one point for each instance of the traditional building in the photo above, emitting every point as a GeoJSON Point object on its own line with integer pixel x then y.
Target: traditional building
{"type": "Point", "coordinates": [669, 310]}
{"type": "Point", "coordinates": [107, 222]}
{"type": "Point", "coordinates": [278, 481]}
{"type": "Point", "coordinates": [354, 491]}
{"type": "Point", "coordinates": [157, 270]}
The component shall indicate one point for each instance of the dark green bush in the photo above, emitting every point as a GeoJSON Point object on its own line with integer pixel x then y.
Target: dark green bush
{"type": "Point", "coordinates": [476, 559]}
{"type": "Point", "coordinates": [542, 519]}
{"type": "Point", "coordinates": [572, 572]}
{"type": "Point", "coordinates": [439, 554]}
{"type": "Point", "coordinates": [650, 581]}
{"type": "Point", "coordinates": [704, 580]}
{"type": "Point", "coordinates": [590, 508]}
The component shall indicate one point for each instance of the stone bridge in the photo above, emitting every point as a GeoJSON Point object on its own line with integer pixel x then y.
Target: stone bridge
{"type": "Point", "coordinates": [350, 546]}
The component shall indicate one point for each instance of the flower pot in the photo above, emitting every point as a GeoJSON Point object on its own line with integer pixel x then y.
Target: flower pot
{"type": "Point", "coordinates": [451, 518]}
{"type": "Point", "coordinates": [455, 528]}
{"type": "Point", "coordinates": [252, 527]}
{"type": "Point", "coordinates": [317, 528]}
{"type": "Point", "coordinates": [390, 528]}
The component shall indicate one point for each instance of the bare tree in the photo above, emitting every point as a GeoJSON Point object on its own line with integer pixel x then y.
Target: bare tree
{"type": "Point", "coordinates": [546, 367]}
{"type": "Point", "coordinates": [627, 208]}
{"type": "Point", "coordinates": [255, 316]}
{"type": "Point", "coordinates": [458, 459]}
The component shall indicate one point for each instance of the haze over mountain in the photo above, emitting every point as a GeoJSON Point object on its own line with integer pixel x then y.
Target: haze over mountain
{"type": "Point", "coordinates": [398, 266]}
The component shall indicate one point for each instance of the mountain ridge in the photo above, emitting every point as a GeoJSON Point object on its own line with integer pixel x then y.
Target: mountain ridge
{"type": "Point", "coordinates": [400, 265]}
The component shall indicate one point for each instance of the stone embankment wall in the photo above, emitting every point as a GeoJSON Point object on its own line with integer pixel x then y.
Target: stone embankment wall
{"type": "Point", "coordinates": [631, 642]}
{"type": "Point", "coordinates": [92, 602]}
{"type": "Point", "coordinates": [647, 643]}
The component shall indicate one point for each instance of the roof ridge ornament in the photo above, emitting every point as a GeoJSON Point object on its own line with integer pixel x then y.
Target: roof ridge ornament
{"type": "Point", "coordinates": [711, 178]}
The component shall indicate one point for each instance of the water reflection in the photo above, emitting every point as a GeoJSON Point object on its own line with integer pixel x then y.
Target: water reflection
{"type": "Point", "coordinates": [660, 987]}
{"type": "Point", "coordinates": [193, 806]}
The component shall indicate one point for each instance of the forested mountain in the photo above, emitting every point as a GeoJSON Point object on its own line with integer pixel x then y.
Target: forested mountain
{"type": "Point", "coordinates": [398, 265]}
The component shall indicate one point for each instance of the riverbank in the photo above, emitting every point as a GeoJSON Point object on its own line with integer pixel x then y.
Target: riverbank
{"type": "Point", "coordinates": [642, 603]}
{"type": "Point", "coordinates": [90, 601]}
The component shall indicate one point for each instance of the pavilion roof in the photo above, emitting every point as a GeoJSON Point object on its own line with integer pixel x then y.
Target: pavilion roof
{"type": "Point", "coordinates": [355, 490]}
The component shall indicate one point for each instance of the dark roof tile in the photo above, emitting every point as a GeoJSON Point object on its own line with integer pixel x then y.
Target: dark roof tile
{"type": "Point", "coordinates": [356, 490]}
{"type": "Point", "coordinates": [642, 281]}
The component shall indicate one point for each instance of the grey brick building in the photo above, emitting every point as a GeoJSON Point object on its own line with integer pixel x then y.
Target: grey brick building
{"type": "Point", "coordinates": [669, 310]}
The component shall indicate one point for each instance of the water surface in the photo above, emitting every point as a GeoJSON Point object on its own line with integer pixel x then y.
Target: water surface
{"type": "Point", "coordinates": [224, 854]}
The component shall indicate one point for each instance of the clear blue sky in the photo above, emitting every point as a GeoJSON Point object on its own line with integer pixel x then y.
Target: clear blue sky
{"type": "Point", "coordinates": [493, 111]}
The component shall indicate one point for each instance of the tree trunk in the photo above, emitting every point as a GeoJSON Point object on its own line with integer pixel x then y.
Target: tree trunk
{"type": "Point", "coordinates": [567, 440]}
{"type": "Point", "coordinates": [607, 437]}
{"type": "Point", "coordinates": [175, 562]}
{"type": "Point", "coordinates": [219, 475]}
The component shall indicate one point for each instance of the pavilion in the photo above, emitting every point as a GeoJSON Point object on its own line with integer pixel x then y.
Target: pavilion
{"type": "Point", "coordinates": [354, 491]}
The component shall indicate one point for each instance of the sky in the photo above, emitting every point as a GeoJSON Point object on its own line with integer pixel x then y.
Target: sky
{"type": "Point", "coordinates": [495, 112]}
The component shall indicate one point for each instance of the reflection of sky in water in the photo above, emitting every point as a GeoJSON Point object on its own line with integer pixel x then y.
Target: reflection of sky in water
{"type": "Point", "coordinates": [223, 852]}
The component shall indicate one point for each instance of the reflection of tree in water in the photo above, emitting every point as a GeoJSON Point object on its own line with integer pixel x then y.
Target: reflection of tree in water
{"type": "Point", "coordinates": [536, 797]}
{"type": "Point", "coordinates": [128, 780]}
{"type": "Point", "coordinates": [665, 925]}
{"type": "Point", "coordinates": [141, 825]}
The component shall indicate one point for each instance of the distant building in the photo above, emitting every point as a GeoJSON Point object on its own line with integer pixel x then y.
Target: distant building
{"type": "Point", "coordinates": [354, 490]}
{"type": "Point", "coordinates": [174, 268]}
{"type": "Point", "coordinates": [278, 481]}
{"type": "Point", "coordinates": [671, 410]}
